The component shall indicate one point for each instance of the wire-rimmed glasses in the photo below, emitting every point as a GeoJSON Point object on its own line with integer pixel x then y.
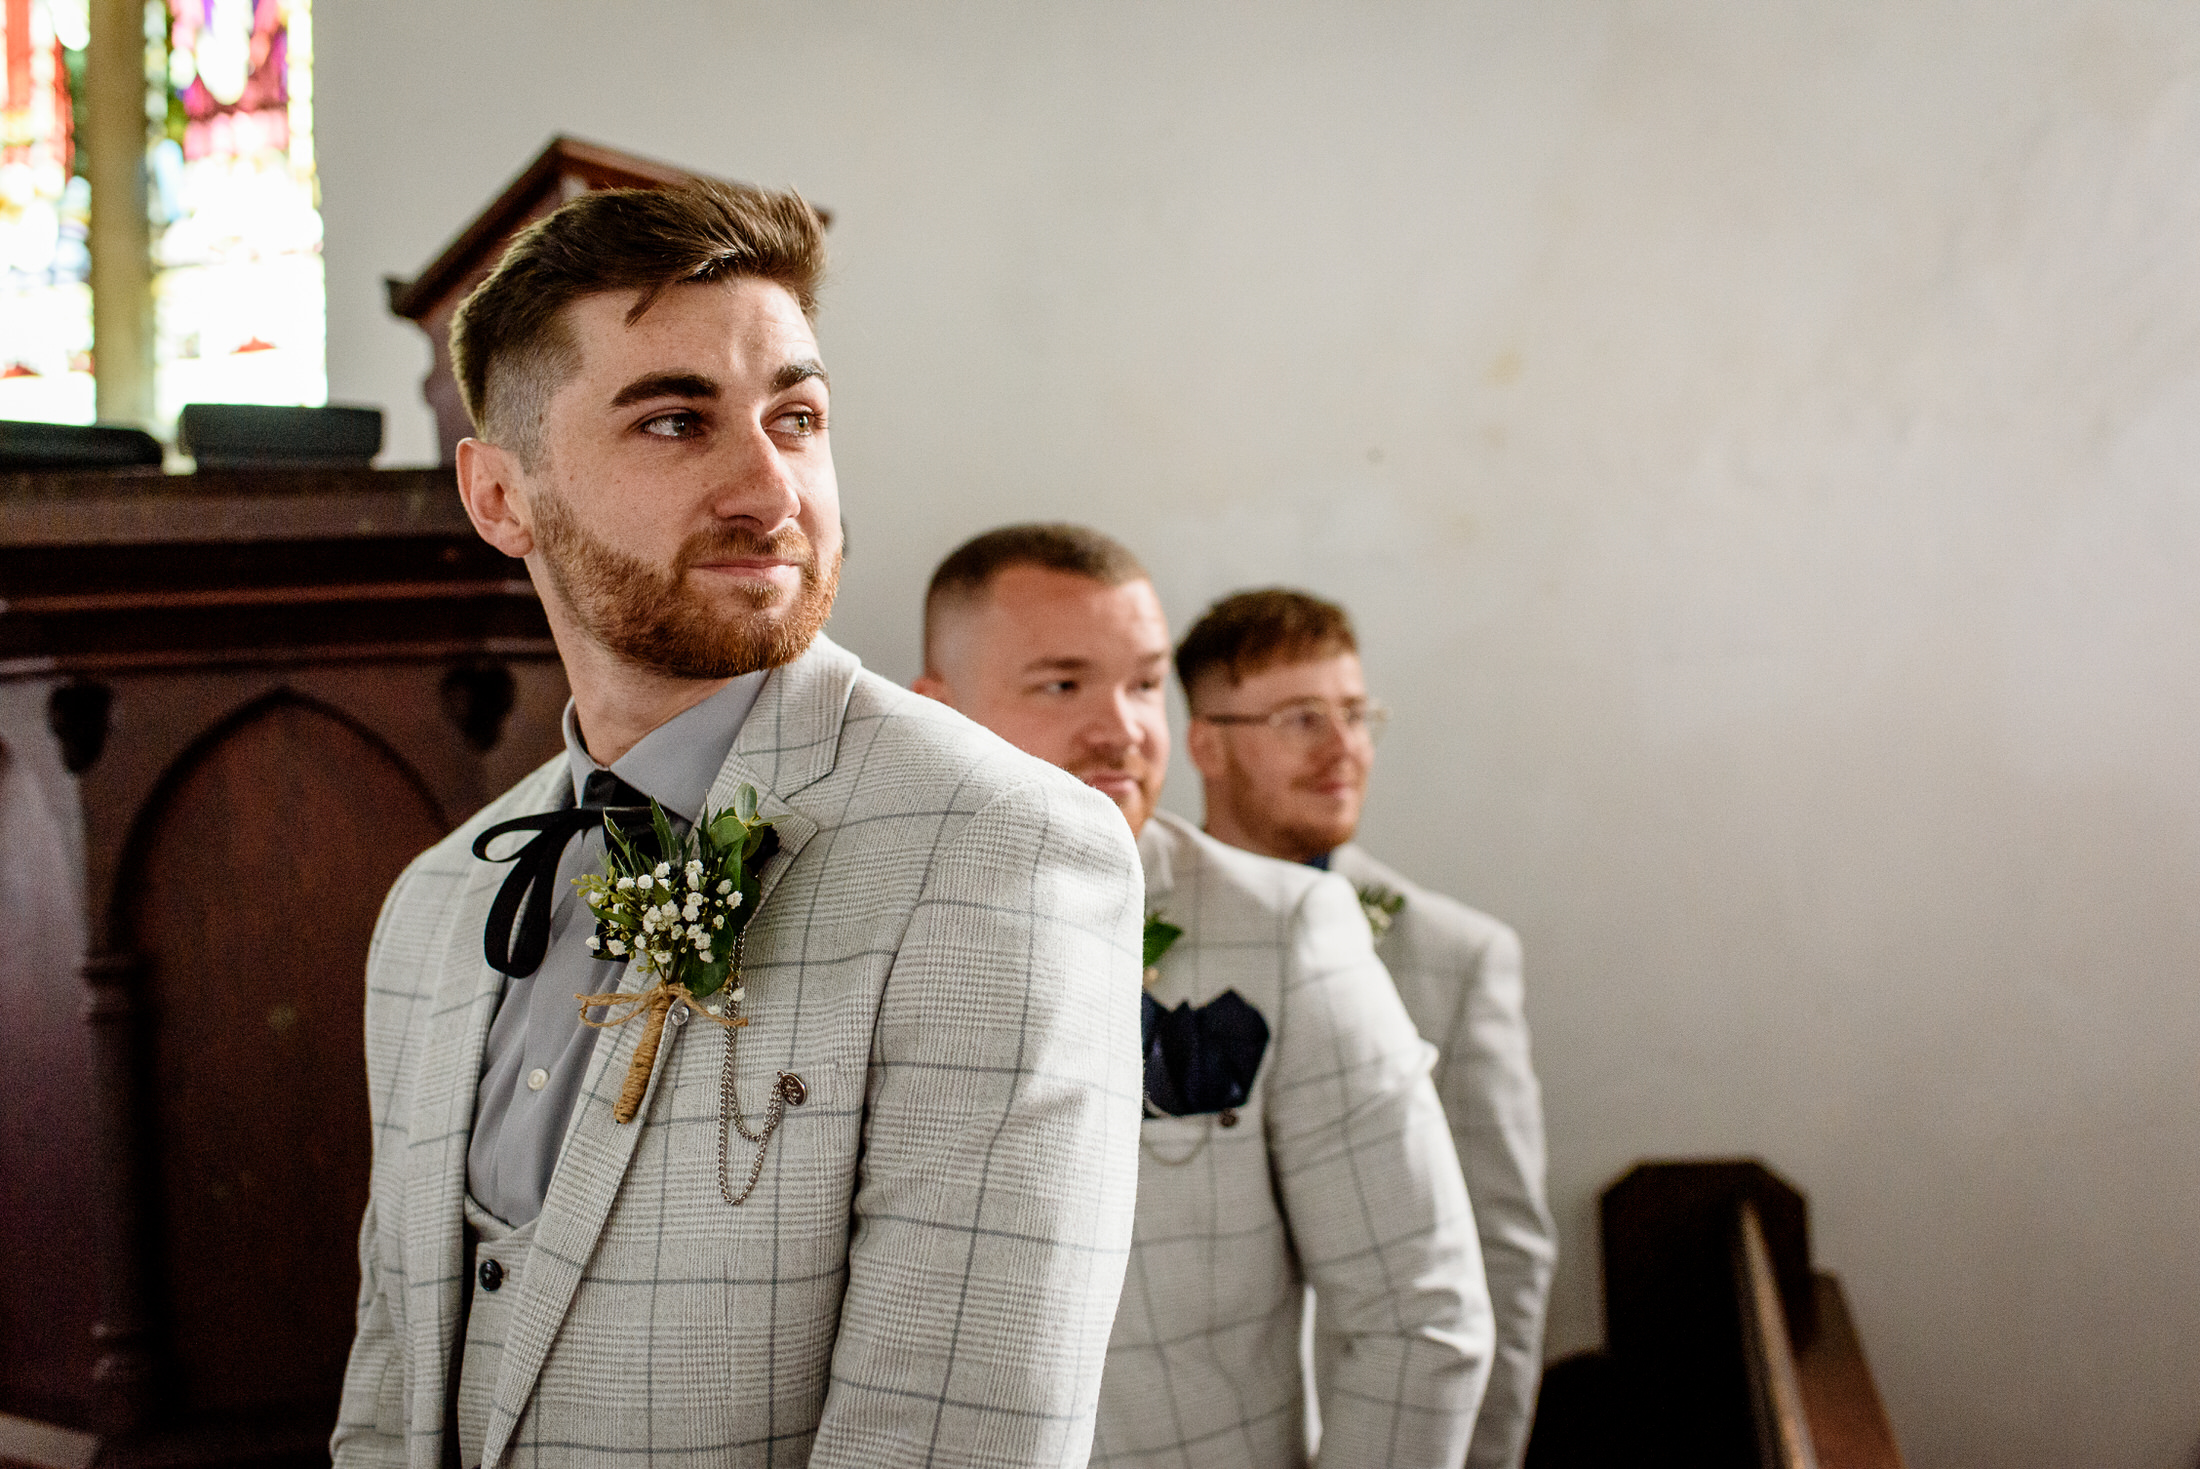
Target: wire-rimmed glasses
{"type": "Point", "coordinates": [1307, 722]}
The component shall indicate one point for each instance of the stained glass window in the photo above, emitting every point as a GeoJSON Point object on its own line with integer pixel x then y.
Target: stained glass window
{"type": "Point", "coordinates": [239, 307]}
{"type": "Point", "coordinates": [45, 204]}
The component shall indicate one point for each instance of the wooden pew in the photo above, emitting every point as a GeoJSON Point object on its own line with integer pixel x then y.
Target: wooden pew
{"type": "Point", "coordinates": [1724, 1346]}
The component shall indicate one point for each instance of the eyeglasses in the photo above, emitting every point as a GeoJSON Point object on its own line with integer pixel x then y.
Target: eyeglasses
{"type": "Point", "coordinates": [1307, 722]}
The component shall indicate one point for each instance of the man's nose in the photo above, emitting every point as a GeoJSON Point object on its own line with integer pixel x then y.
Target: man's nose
{"type": "Point", "coordinates": [1334, 741]}
{"type": "Point", "coordinates": [1114, 726]}
{"type": "Point", "coordinates": [754, 481]}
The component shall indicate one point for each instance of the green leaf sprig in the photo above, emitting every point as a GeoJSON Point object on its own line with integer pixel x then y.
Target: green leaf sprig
{"type": "Point", "coordinates": [1160, 934]}
{"type": "Point", "coordinates": [679, 916]}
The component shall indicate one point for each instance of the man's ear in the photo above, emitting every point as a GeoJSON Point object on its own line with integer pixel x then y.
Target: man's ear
{"type": "Point", "coordinates": [489, 484]}
{"type": "Point", "coordinates": [932, 686]}
{"type": "Point", "coordinates": [1203, 742]}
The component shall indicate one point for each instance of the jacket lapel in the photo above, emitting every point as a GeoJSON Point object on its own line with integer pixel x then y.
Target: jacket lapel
{"type": "Point", "coordinates": [464, 1002]}
{"type": "Point", "coordinates": [789, 741]}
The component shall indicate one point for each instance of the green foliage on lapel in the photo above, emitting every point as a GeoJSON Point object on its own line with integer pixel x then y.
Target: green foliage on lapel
{"type": "Point", "coordinates": [1382, 906]}
{"type": "Point", "coordinates": [680, 915]}
{"type": "Point", "coordinates": [1159, 935]}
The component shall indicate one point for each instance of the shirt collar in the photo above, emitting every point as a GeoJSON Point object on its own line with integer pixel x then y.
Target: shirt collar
{"type": "Point", "coordinates": [675, 763]}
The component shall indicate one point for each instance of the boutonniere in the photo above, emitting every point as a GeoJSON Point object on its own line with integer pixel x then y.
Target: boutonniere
{"type": "Point", "coordinates": [1381, 905]}
{"type": "Point", "coordinates": [677, 914]}
{"type": "Point", "coordinates": [1160, 933]}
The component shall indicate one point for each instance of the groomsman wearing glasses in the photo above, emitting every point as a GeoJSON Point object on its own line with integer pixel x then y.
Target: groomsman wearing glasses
{"type": "Point", "coordinates": [1291, 1133]}
{"type": "Point", "coordinates": [1284, 733]}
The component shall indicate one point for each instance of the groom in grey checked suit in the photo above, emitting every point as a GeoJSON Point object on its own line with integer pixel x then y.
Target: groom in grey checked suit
{"type": "Point", "coordinates": [1283, 733]}
{"type": "Point", "coordinates": [920, 1262]}
{"type": "Point", "coordinates": [1292, 1135]}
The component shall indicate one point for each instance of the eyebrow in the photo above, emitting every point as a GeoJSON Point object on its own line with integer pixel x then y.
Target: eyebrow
{"type": "Point", "coordinates": [798, 371]}
{"type": "Point", "coordinates": [1073, 665]}
{"type": "Point", "coordinates": [666, 385]}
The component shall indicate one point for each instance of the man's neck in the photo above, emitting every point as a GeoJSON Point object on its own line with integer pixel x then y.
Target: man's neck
{"type": "Point", "coordinates": [617, 704]}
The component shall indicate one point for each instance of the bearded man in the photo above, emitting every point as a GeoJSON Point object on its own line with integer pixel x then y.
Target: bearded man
{"type": "Point", "coordinates": [1291, 1134]}
{"type": "Point", "coordinates": [1283, 733]}
{"type": "Point", "coordinates": [869, 1202]}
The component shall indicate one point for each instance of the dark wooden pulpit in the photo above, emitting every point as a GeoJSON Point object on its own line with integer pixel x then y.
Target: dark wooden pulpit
{"type": "Point", "coordinates": [232, 707]}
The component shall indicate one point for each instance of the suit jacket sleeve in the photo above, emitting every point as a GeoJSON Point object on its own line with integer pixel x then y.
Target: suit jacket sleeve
{"type": "Point", "coordinates": [370, 1420]}
{"type": "Point", "coordinates": [993, 1209]}
{"type": "Point", "coordinates": [1376, 1204]}
{"type": "Point", "coordinates": [1489, 1092]}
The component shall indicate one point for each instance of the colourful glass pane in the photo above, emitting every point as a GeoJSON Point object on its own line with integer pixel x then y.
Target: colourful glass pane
{"type": "Point", "coordinates": [45, 201]}
{"type": "Point", "coordinates": [239, 305]}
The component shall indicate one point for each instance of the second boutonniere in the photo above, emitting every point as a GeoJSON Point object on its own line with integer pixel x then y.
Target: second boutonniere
{"type": "Point", "coordinates": [677, 914]}
{"type": "Point", "coordinates": [1382, 906]}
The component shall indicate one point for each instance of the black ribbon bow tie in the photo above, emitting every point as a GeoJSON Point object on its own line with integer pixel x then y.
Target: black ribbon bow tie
{"type": "Point", "coordinates": [1202, 1060]}
{"type": "Point", "coordinates": [534, 874]}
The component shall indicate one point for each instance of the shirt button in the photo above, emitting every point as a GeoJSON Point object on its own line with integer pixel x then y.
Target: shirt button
{"type": "Point", "coordinates": [491, 1275]}
{"type": "Point", "coordinates": [537, 1079]}
{"type": "Point", "coordinates": [679, 1015]}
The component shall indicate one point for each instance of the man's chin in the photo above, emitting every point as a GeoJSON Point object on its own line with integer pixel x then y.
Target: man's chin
{"type": "Point", "coordinates": [1317, 835]}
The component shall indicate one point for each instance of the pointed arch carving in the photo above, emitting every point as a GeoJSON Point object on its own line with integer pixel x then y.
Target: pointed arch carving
{"type": "Point", "coordinates": [253, 877]}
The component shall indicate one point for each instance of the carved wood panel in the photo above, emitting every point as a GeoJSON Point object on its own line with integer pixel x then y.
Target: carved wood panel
{"type": "Point", "coordinates": [251, 890]}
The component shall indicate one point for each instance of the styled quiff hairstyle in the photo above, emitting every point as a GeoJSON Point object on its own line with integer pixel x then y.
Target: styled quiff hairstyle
{"type": "Point", "coordinates": [1247, 632]}
{"type": "Point", "coordinates": [969, 570]}
{"type": "Point", "coordinates": [511, 345]}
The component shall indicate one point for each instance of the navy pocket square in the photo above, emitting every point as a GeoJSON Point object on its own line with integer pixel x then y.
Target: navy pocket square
{"type": "Point", "coordinates": [1204, 1060]}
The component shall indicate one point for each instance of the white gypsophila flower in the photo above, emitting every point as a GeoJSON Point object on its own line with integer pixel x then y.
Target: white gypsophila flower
{"type": "Point", "coordinates": [595, 900]}
{"type": "Point", "coordinates": [725, 886]}
{"type": "Point", "coordinates": [719, 921]}
{"type": "Point", "coordinates": [704, 955]}
{"type": "Point", "coordinates": [691, 910]}
{"type": "Point", "coordinates": [663, 869]}
{"type": "Point", "coordinates": [738, 994]}
{"type": "Point", "coordinates": [649, 920]}
{"type": "Point", "coordinates": [694, 867]}
{"type": "Point", "coordinates": [626, 884]}
{"type": "Point", "coordinates": [735, 900]}
{"type": "Point", "coordinates": [618, 946]}
{"type": "Point", "coordinates": [645, 882]}
{"type": "Point", "coordinates": [594, 943]}
{"type": "Point", "coordinates": [696, 934]}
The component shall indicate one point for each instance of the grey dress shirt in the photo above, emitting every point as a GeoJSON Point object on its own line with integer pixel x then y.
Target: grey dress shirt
{"type": "Point", "coordinates": [537, 1051]}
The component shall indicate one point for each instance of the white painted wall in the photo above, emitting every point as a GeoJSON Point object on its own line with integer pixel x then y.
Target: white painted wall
{"type": "Point", "coordinates": [1759, 442]}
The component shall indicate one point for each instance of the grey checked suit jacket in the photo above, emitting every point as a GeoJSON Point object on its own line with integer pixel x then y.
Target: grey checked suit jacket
{"type": "Point", "coordinates": [946, 951]}
{"type": "Point", "coordinates": [1338, 1171]}
{"type": "Point", "coordinates": [1458, 972]}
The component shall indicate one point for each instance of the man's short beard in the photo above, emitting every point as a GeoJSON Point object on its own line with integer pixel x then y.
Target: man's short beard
{"type": "Point", "coordinates": [1297, 840]}
{"type": "Point", "coordinates": [652, 618]}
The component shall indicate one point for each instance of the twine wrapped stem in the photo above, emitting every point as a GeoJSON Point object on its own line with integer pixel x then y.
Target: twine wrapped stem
{"type": "Point", "coordinates": [654, 1003]}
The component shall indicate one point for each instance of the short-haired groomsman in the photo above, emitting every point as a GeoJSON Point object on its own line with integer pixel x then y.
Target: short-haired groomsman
{"type": "Point", "coordinates": [1291, 1131]}
{"type": "Point", "coordinates": [1283, 733]}
{"type": "Point", "coordinates": [844, 1175]}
